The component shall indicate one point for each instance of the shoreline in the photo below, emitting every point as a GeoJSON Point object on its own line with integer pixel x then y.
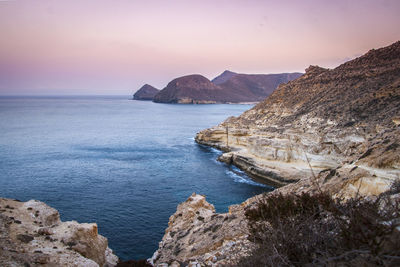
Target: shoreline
{"type": "Point", "coordinates": [199, 102]}
{"type": "Point", "coordinates": [250, 165]}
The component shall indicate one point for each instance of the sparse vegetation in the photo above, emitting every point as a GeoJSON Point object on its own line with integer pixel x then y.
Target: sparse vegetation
{"type": "Point", "coordinates": [297, 230]}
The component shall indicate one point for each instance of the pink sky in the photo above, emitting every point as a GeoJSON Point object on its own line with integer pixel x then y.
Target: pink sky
{"type": "Point", "coordinates": [115, 46]}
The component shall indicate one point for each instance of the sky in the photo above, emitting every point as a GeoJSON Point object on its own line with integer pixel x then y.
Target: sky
{"type": "Point", "coordinates": [113, 47]}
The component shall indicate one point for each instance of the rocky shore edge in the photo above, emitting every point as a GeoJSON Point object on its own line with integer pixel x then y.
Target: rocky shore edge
{"type": "Point", "coordinates": [32, 234]}
{"type": "Point", "coordinates": [329, 141]}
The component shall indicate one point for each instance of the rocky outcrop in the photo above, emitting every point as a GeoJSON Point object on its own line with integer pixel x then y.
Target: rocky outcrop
{"type": "Point", "coordinates": [32, 234]}
{"type": "Point", "coordinates": [198, 236]}
{"type": "Point", "coordinates": [146, 92]}
{"type": "Point", "coordinates": [334, 131]}
{"type": "Point", "coordinates": [339, 124]}
{"type": "Point", "coordinates": [229, 87]}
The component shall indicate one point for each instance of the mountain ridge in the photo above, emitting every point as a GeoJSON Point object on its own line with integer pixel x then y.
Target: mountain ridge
{"type": "Point", "coordinates": [230, 88]}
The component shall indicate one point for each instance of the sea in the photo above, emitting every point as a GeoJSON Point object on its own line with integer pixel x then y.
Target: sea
{"type": "Point", "coordinates": [121, 163]}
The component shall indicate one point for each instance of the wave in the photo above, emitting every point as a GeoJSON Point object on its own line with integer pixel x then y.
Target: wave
{"type": "Point", "coordinates": [210, 150]}
{"type": "Point", "coordinates": [240, 176]}
{"type": "Point", "coordinates": [232, 171]}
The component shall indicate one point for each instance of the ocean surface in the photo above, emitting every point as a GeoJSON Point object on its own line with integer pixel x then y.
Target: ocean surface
{"type": "Point", "coordinates": [123, 164]}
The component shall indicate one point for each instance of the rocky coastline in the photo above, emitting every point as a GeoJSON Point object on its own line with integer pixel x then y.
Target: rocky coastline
{"type": "Point", "coordinates": [333, 132]}
{"type": "Point", "coordinates": [32, 234]}
{"type": "Point", "coordinates": [328, 137]}
{"type": "Point", "coordinates": [316, 125]}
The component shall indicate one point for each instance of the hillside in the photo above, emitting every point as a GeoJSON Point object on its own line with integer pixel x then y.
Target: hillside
{"type": "Point", "coordinates": [256, 87]}
{"type": "Point", "coordinates": [330, 142]}
{"type": "Point", "coordinates": [228, 87]}
{"type": "Point", "coordinates": [342, 118]}
{"type": "Point", "coordinates": [223, 77]}
{"type": "Point", "coordinates": [191, 89]}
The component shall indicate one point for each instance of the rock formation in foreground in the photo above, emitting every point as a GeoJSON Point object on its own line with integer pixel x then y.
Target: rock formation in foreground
{"type": "Point", "coordinates": [340, 123]}
{"type": "Point", "coordinates": [146, 92]}
{"type": "Point", "coordinates": [198, 236]}
{"type": "Point", "coordinates": [333, 132]}
{"type": "Point", "coordinates": [229, 87]}
{"type": "Point", "coordinates": [296, 229]}
{"type": "Point", "coordinates": [31, 234]}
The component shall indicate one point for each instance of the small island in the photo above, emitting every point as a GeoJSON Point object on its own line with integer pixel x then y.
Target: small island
{"type": "Point", "coordinates": [146, 92]}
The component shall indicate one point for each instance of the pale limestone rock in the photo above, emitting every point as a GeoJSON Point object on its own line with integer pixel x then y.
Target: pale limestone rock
{"type": "Point", "coordinates": [41, 212]}
{"type": "Point", "coordinates": [47, 240]}
{"type": "Point", "coordinates": [324, 120]}
{"type": "Point", "coordinates": [83, 238]}
{"type": "Point", "coordinates": [197, 236]}
{"type": "Point", "coordinates": [111, 258]}
{"type": "Point", "coordinates": [283, 154]}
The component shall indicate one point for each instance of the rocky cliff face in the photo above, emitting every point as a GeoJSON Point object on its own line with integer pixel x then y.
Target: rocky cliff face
{"type": "Point", "coordinates": [32, 234]}
{"type": "Point", "coordinates": [229, 87]}
{"type": "Point", "coordinates": [334, 131]}
{"type": "Point", "coordinates": [198, 236]}
{"type": "Point", "coordinates": [341, 124]}
{"type": "Point", "coordinates": [146, 92]}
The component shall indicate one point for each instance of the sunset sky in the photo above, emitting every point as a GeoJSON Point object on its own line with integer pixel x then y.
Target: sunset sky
{"type": "Point", "coordinates": [115, 46]}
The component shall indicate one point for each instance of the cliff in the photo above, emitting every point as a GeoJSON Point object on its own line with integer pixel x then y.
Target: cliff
{"type": "Point", "coordinates": [229, 87]}
{"type": "Point", "coordinates": [198, 236]}
{"type": "Point", "coordinates": [284, 228]}
{"type": "Point", "coordinates": [330, 142]}
{"type": "Point", "coordinates": [338, 123]}
{"type": "Point", "coordinates": [146, 92]}
{"type": "Point", "coordinates": [31, 234]}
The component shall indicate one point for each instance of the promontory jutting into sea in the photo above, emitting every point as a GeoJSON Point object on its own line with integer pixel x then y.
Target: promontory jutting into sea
{"type": "Point", "coordinates": [208, 133]}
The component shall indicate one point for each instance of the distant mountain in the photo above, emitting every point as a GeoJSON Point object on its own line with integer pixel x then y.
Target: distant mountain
{"type": "Point", "coordinates": [191, 89]}
{"type": "Point", "coordinates": [146, 92]}
{"type": "Point", "coordinates": [256, 87]}
{"type": "Point", "coordinates": [223, 77]}
{"type": "Point", "coordinates": [229, 87]}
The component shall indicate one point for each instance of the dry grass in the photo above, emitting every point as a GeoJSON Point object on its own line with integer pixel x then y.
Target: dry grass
{"type": "Point", "coordinates": [298, 230]}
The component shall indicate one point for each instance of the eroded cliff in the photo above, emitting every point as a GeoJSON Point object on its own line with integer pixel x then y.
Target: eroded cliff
{"type": "Point", "coordinates": [32, 234]}
{"type": "Point", "coordinates": [330, 133]}
{"type": "Point", "coordinates": [341, 123]}
{"type": "Point", "coordinates": [198, 236]}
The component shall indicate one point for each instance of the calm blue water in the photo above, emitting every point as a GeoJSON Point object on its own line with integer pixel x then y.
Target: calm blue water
{"type": "Point", "coordinates": [121, 163]}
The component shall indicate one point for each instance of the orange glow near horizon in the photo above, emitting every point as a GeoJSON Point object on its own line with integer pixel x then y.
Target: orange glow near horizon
{"type": "Point", "coordinates": [113, 47]}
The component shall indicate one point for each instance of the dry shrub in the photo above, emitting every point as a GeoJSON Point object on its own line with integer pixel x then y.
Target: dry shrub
{"type": "Point", "coordinates": [298, 230]}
